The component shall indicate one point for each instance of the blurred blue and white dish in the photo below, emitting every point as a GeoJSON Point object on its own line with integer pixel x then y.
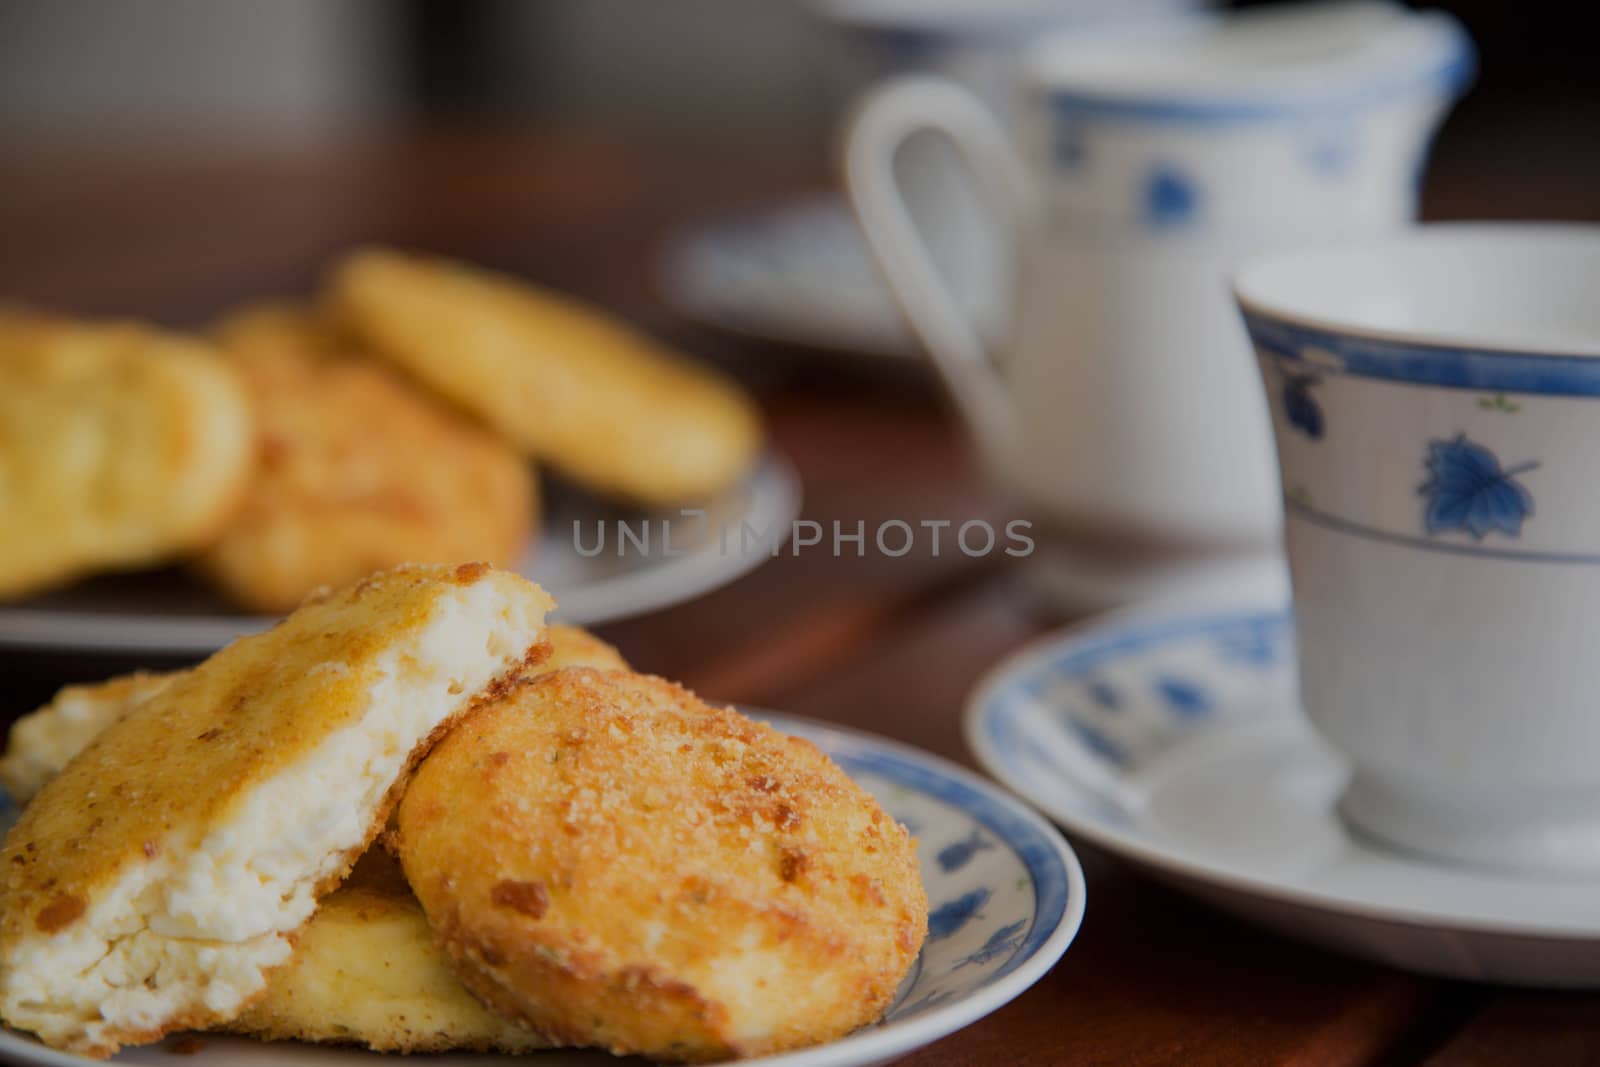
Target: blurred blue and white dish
{"type": "Point", "coordinates": [1436, 403]}
{"type": "Point", "coordinates": [1153, 158]}
{"type": "Point", "coordinates": [1312, 118]}
{"type": "Point", "coordinates": [1173, 738]}
{"type": "Point", "coordinates": [974, 43]}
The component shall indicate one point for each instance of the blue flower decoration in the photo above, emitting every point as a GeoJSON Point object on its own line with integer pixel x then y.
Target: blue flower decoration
{"type": "Point", "coordinates": [1467, 490]}
{"type": "Point", "coordinates": [1170, 197]}
{"type": "Point", "coordinates": [1305, 414]}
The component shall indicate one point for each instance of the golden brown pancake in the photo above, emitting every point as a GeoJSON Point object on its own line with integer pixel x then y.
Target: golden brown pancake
{"type": "Point", "coordinates": [154, 882]}
{"type": "Point", "coordinates": [615, 863]}
{"type": "Point", "coordinates": [356, 471]}
{"type": "Point", "coordinates": [44, 741]}
{"type": "Point", "coordinates": [120, 446]}
{"type": "Point", "coordinates": [611, 409]}
{"type": "Point", "coordinates": [364, 970]}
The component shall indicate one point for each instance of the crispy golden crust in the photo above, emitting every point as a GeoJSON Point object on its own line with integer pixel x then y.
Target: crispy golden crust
{"type": "Point", "coordinates": [616, 863]}
{"type": "Point", "coordinates": [162, 784]}
{"type": "Point", "coordinates": [44, 741]}
{"type": "Point", "coordinates": [608, 407]}
{"type": "Point", "coordinates": [356, 472]}
{"type": "Point", "coordinates": [365, 972]}
{"type": "Point", "coordinates": [120, 446]}
{"type": "Point", "coordinates": [573, 646]}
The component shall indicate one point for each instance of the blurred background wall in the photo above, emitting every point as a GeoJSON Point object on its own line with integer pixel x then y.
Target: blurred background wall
{"type": "Point", "coordinates": [694, 70]}
{"type": "Point", "coordinates": [743, 76]}
{"type": "Point", "coordinates": [748, 72]}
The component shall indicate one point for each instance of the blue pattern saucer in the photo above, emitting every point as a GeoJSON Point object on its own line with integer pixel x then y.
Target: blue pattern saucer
{"type": "Point", "coordinates": [1173, 737]}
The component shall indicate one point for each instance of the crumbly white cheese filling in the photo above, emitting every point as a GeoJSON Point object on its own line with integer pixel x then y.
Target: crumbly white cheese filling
{"type": "Point", "coordinates": [193, 930]}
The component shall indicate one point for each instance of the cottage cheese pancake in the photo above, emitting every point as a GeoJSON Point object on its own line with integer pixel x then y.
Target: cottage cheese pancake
{"type": "Point", "coordinates": [356, 471]}
{"type": "Point", "coordinates": [616, 863]}
{"type": "Point", "coordinates": [120, 446]}
{"type": "Point", "coordinates": [44, 741]}
{"type": "Point", "coordinates": [152, 884]}
{"type": "Point", "coordinates": [608, 407]}
{"type": "Point", "coordinates": [365, 971]}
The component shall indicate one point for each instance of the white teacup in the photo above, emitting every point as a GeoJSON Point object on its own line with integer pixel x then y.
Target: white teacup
{"type": "Point", "coordinates": [1120, 403]}
{"type": "Point", "coordinates": [1436, 403]}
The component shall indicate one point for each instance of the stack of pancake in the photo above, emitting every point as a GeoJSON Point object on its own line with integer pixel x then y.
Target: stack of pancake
{"type": "Point", "coordinates": [396, 419]}
{"type": "Point", "coordinates": [414, 817]}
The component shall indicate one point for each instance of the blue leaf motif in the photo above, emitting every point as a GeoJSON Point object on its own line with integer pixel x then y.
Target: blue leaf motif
{"type": "Point", "coordinates": [956, 856]}
{"type": "Point", "coordinates": [1467, 490]}
{"type": "Point", "coordinates": [1000, 942]}
{"type": "Point", "coordinates": [1170, 197]}
{"type": "Point", "coordinates": [1096, 741]}
{"type": "Point", "coordinates": [1305, 414]}
{"type": "Point", "coordinates": [952, 915]}
{"type": "Point", "coordinates": [1103, 694]}
{"type": "Point", "coordinates": [1185, 699]}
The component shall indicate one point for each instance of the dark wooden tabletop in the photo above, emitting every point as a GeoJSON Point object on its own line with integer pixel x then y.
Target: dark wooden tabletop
{"type": "Point", "coordinates": [890, 645]}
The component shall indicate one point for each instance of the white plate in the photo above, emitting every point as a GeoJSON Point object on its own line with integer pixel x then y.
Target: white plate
{"type": "Point", "coordinates": [800, 273]}
{"type": "Point", "coordinates": [168, 613]}
{"type": "Point", "coordinates": [1006, 894]}
{"type": "Point", "coordinates": [1173, 737]}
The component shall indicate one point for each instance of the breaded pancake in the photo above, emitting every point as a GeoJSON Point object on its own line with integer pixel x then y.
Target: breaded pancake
{"type": "Point", "coordinates": [152, 883]}
{"type": "Point", "coordinates": [120, 446]}
{"type": "Point", "coordinates": [614, 862]}
{"type": "Point", "coordinates": [357, 471]}
{"type": "Point", "coordinates": [365, 971]}
{"type": "Point", "coordinates": [573, 646]}
{"type": "Point", "coordinates": [42, 742]}
{"type": "Point", "coordinates": [608, 407]}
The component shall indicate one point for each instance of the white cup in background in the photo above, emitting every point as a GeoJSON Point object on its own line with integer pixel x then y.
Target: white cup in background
{"type": "Point", "coordinates": [1118, 400]}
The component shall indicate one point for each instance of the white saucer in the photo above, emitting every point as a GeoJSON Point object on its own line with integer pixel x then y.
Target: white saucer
{"type": "Point", "coordinates": [166, 613]}
{"type": "Point", "coordinates": [1006, 897]}
{"type": "Point", "coordinates": [1173, 737]}
{"type": "Point", "coordinates": [799, 273]}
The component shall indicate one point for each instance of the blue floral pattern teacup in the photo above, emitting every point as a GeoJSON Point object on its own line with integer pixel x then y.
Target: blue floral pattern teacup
{"type": "Point", "coordinates": [1436, 404]}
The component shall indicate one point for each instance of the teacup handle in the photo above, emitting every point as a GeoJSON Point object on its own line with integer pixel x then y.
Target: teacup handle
{"type": "Point", "coordinates": [879, 127]}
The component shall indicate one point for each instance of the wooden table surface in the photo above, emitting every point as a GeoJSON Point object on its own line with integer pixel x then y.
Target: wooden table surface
{"type": "Point", "coordinates": [888, 645]}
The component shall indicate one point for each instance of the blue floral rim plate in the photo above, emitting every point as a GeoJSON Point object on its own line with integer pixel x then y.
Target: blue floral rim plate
{"type": "Point", "coordinates": [1006, 898]}
{"type": "Point", "coordinates": [1172, 736]}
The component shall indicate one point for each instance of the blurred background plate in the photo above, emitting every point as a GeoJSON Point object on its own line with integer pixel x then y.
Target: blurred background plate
{"type": "Point", "coordinates": [581, 557]}
{"type": "Point", "coordinates": [798, 273]}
